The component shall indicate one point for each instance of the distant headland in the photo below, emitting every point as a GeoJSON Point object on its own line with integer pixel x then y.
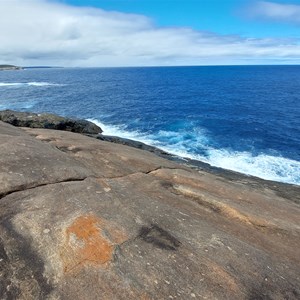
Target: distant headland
{"type": "Point", "coordinates": [9, 67]}
{"type": "Point", "coordinates": [12, 67]}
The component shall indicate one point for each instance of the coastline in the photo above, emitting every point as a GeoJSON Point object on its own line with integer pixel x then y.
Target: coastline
{"type": "Point", "coordinates": [271, 155]}
{"type": "Point", "coordinates": [93, 130]}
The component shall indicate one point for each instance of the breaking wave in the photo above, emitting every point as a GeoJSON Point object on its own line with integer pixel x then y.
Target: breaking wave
{"type": "Point", "coordinates": [25, 84]}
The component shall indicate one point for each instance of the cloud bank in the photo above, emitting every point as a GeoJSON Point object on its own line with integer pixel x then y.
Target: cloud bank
{"type": "Point", "coordinates": [287, 13]}
{"type": "Point", "coordinates": [40, 32]}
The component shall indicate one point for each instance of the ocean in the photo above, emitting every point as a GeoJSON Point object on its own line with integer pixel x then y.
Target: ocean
{"type": "Point", "coordinates": [241, 118]}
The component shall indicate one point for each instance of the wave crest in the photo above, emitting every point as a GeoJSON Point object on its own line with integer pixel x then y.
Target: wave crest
{"type": "Point", "coordinates": [33, 83]}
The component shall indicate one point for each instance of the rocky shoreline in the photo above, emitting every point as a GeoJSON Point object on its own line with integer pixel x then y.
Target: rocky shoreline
{"type": "Point", "coordinates": [100, 218]}
{"type": "Point", "coordinates": [52, 121]}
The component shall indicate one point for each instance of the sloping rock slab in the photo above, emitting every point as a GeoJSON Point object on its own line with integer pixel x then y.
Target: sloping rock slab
{"type": "Point", "coordinates": [48, 121]}
{"type": "Point", "coordinates": [151, 230]}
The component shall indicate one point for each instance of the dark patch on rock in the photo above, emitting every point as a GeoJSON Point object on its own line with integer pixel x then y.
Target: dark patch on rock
{"type": "Point", "coordinates": [48, 121]}
{"type": "Point", "coordinates": [159, 237]}
{"type": "Point", "coordinates": [258, 293]}
{"type": "Point", "coordinates": [3, 256]}
{"type": "Point", "coordinates": [69, 149]}
{"type": "Point", "coordinates": [21, 267]}
{"type": "Point", "coordinates": [167, 184]}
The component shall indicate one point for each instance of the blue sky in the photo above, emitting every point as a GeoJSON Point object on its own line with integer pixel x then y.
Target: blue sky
{"type": "Point", "coordinates": [149, 32]}
{"type": "Point", "coordinates": [220, 16]}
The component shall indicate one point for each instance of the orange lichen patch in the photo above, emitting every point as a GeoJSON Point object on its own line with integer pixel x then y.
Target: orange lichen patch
{"type": "Point", "coordinates": [90, 240]}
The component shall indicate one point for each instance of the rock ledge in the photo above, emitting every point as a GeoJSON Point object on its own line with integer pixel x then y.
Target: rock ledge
{"type": "Point", "coordinates": [48, 121]}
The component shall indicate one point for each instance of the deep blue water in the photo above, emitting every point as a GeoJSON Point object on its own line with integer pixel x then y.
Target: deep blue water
{"type": "Point", "coordinates": [244, 118]}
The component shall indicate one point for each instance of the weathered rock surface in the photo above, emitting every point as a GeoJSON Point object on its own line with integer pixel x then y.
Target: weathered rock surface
{"type": "Point", "coordinates": [48, 121]}
{"type": "Point", "coordinates": [87, 219]}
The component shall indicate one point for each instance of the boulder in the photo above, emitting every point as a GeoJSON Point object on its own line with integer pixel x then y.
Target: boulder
{"type": "Point", "coordinates": [82, 218]}
{"type": "Point", "coordinates": [49, 121]}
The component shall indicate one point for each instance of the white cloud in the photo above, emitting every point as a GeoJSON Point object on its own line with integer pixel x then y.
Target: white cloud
{"type": "Point", "coordinates": [289, 13]}
{"type": "Point", "coordinates": [39, 32]}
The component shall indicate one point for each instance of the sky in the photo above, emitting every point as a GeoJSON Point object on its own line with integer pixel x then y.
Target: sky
{"type": "Point", "coordinates": [104, 33]}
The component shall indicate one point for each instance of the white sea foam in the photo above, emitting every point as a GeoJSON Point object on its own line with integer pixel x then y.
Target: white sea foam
{"type": "Point", "coordinates": [34, 83]}
{"type": "Point", "coordinates": [24, 84]}
{"type": "Point", "coordinates": [4, 84]}
{"type": "Point", "coordinates": [264, 166]}
{"type": "Point", "coordinates": [121, 131]}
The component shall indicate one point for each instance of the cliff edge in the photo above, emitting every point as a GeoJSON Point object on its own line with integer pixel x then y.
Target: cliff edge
{"type": "Point", "coordinates": [82, 218]}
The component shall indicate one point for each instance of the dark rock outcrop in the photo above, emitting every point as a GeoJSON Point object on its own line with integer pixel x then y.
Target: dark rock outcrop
{"type": "Point", "coordinates": [48, 121]}
{"type": "Point", "coordinates": [81, 218]}
{"type": "Point", "coordinates": [132, 143]}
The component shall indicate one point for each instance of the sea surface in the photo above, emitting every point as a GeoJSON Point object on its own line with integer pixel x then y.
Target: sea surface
{"type": "Point", "coordinates": [242, 118]}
